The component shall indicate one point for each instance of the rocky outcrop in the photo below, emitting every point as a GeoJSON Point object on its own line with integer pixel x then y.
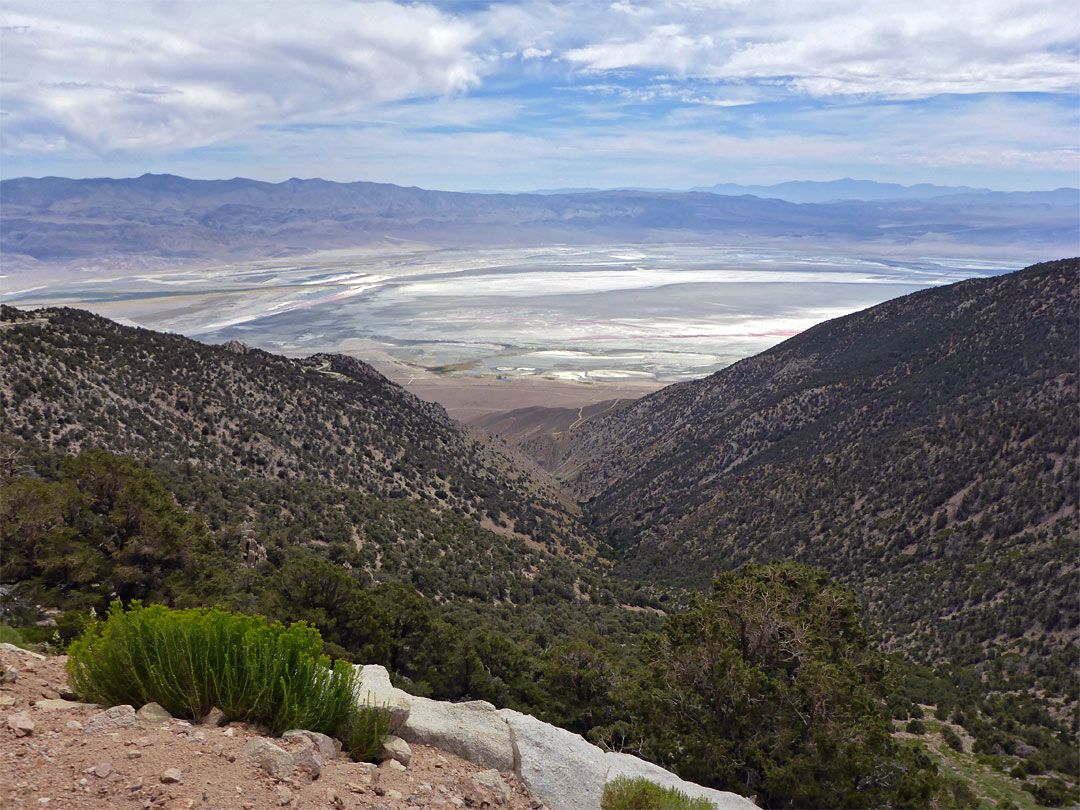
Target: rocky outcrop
{"type": "Point", "coordinates": [560, 768]}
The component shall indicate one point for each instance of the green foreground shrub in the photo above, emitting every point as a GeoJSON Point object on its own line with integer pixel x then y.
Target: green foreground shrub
{"type": "Point", "coordinates": [9, 635]}
{"type": "Point", "coordinates": [624, 793]}
{"type": "Point", "coordinates": [191, 660]}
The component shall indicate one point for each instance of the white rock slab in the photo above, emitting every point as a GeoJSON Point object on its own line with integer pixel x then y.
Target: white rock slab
{"type": "Point", "coordinates": [560, 768]}
{"type": "Point", "coordinates": [473, 730]}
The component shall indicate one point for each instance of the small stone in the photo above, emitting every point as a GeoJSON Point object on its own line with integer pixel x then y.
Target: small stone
{"type": "Point", "coordinates": [21, 723]}
{"type": "Point", "coordinates": [271, 758]}
{"type": "Point", "coordinates": [74, 725]}
{"type": "Point", "coordinates": [328, 747]}
{"type": "Point", "coordinates": [284, 796]}
{"type": "Point", "coordinates": [198, 736]}
{"type": "Point", "coordinates": [310, 759]}
{"type": "Point", "coordinates": [396, 795]}
{"type": "Point", "coordinates": [218, 750]}
{"type": "Point", "coordinates": [6, 701]}
{"type": "Point", "coordinates": [395, 748]}
{"type": "Point", "coordinates": [135, 786]}
{"type": "Point", "coordinates": [102, 770]}
{"type": "Point", "coordinates": [391, 765]}
{"type": "Point", "coordinates": [492, 781]}
{"type": "Point", "coordinates": [229, 732]}
{"type": "Point", "coordinates": [171, 776]}
{"type": "Point", "coordinates": [9, 675]}
{"type": "Point", "coordinates": [379, 790]}
{"type": "Point", "coordinates": [134, 754]}
{"type": "Point", "coordinates": [215, 717]}
{"type": "Point", "coordinates": [153, 713]}
{"type": "Point", "coordinates": [355, 788]}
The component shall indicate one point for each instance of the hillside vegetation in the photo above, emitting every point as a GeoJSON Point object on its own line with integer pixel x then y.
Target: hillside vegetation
{"type": "Point", "coordinates": [924, 452]}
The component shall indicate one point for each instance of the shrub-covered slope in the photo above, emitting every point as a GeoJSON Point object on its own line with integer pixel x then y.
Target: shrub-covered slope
{"type": "Point", "coordinates": [924, 451]}
{"type": "Point", "coordinates": [71, 380]}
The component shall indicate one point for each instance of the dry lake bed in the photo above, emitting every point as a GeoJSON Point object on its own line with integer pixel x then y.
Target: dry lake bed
{"type": "Point", "coordinates": [487, 329]}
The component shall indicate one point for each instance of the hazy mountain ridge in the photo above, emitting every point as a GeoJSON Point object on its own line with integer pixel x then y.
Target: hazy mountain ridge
{"type": "Point", "coordinates": [61, 220]}
{"type": "Point", "coordinates": [811, 191]}
{"type": "Point", "coordinates": [923, 450]}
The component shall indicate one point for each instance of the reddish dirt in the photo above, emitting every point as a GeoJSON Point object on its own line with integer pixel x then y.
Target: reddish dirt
{"type": "Point", "coordinates": [59, 766]}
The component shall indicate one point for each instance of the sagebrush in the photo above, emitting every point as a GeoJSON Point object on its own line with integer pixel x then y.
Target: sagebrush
{"type": "Point", "coordinates": [191, 660]}
{"type": "Point", "coordinates": [624, 793]}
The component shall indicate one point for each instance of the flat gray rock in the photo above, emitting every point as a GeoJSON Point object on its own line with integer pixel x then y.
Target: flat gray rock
{"type": "Point", "coordinates": [112, 719]}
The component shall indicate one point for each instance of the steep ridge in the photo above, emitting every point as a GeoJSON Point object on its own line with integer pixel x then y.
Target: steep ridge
{"type": "Point", "coordinates": [924, 451]}
{"type": "Point", "coordinates": [72, 380]}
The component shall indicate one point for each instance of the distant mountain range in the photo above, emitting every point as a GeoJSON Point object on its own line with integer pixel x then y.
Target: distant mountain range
{"type": "Point", "coordinates": [813, 191]}
{"type": "Point", "coordinates": [171, 218]}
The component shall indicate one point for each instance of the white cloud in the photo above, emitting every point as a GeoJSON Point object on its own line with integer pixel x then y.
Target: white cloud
{"type": "Point", "coordinates": [105, 76]}
{"type": "Point", "coordinates": [909, 49]}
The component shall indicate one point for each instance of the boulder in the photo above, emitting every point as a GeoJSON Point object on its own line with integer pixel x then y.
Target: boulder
{"type": "Point", "coordinates": [631, 767]}
{"type": "Point", "coordinates": [375, 689]}
{"type": "Point", "coordinates": [272, 759]}
{"type": "Point", "coordinates": [395, 748]}
{"type": "Point", "coordinates": [473, 730]}
{"type": "Point", "coordinates": [560, 768]}
{"type": "Point", "coordinates": [112, 719]}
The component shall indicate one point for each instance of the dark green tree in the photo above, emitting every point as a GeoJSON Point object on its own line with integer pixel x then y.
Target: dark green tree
{"type": "Point", "coordinates": [106, 528]}
{"type": "Point", "coordinates": [770, 686]}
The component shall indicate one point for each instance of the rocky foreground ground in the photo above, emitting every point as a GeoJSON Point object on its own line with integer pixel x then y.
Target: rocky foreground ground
{"type": "Point", "coordinates": [58, 753]}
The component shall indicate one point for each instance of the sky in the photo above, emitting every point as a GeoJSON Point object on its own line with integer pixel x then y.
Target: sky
{"type": "Point", "coordinates": [530, 94]}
